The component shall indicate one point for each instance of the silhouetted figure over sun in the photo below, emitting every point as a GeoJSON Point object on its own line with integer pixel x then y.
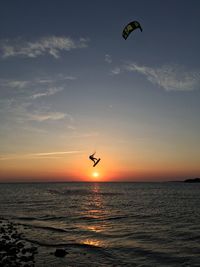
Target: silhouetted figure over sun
{"type": "Point", "coordinates": [95, 160]}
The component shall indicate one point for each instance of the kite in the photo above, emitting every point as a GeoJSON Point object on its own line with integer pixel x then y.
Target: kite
{"type": "Point", "coordinates": [131, 27]}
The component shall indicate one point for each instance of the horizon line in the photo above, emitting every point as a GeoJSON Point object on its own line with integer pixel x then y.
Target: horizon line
{"type": "Point", "coordinates": [43, 182]}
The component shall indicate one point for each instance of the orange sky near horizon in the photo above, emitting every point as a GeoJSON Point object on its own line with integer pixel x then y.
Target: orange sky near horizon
{"type": "Point", "coordinates": [79, 168]}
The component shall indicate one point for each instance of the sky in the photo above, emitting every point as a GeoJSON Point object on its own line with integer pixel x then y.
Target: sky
{"type": "Point", "coordinates": [70, 85]}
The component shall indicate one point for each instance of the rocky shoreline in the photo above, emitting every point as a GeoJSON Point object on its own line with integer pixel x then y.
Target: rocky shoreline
{"type": "Point", "coordinates": [14, 251]}
{"type": "Point", "coordinates": [17, 251]}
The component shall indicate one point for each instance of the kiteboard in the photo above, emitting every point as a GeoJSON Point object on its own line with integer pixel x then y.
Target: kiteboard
{"type": "Point", "coordinates": [96, 162]}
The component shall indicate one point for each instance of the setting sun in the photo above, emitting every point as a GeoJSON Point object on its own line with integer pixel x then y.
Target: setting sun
{"type": "Point", "coordinates": [95, 174]}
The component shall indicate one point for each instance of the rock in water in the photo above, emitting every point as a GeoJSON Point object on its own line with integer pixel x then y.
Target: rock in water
{"type": "Point", "coordinates": [60, 252]}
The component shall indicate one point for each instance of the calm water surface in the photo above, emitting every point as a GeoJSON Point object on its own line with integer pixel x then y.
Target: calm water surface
{"type": "Point", "coordinates": [108, 224]}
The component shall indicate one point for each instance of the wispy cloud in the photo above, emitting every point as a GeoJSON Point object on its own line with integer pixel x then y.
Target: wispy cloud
{"type": "Point", "coordinates": [47, 92]}
{"type": "Point", "coordinates": [19, 84]}
{"type": "Point", "coordinates": [24, 112]}
{"type": "Point", "coordinates": [71, 127]}
{"type": "Point", "coordinates": [51, 45]}
{"type": "Point", "coordinates": [43, 116]}
{"type": "Point", "coordinates": [39, 155]}
{"type": "Point", "coordinates": [40, 82]}
{"type": "Point", "coordinates": [169, 77]}
{"type": "Point", "coordinates": [34, 88]}
{"type": "Point", "coordinates": [116, 71]}
{"type": "Point", "coordinates": [20, 104]}
{"type": "Point", "coordinates": [108, 59]}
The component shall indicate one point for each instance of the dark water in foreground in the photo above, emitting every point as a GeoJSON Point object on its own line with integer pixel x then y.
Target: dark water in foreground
{"type": "Point", "coordinates": [108, 224]}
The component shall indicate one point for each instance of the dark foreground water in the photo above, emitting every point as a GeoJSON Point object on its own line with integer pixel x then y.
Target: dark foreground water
{"type": "Point", "coordinates": [108, 224]}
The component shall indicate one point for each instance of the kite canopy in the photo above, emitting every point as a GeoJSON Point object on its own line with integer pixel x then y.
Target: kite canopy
{"type": "Point", "coordinates": [131, 27]}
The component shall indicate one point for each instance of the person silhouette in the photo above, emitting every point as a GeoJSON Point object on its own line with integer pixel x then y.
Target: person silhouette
{"type": "Point", "coordinates": [93, 158]}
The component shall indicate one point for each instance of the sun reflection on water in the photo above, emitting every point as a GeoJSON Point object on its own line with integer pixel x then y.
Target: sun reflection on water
{"type": "Point", "coordinates": [93, 242]}
{"type": "Point", "coordinates": [95, 211]}
{"type": "Point", "coordinates": [95, 228]}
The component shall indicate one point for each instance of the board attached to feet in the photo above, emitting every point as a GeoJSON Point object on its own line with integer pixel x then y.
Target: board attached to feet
{"type": "Point", "coordinates": [96, 162]}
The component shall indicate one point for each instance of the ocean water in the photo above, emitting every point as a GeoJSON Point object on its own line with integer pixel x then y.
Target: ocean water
{"type": "Point", "coordinates": [108, 224]}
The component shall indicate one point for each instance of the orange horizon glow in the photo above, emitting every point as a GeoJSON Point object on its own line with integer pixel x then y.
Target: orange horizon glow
{"type": "Point", "coordinates": [104, 175]}
{"type": "Point", "coordinates": [79, 169]}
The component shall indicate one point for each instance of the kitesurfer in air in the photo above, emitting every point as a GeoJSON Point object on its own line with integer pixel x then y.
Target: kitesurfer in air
{"type": "Point", "coordinates": [93, 158]}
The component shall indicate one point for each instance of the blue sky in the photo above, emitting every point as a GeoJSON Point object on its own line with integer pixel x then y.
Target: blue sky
{"type": "Point", "coordinates": [70, 84]}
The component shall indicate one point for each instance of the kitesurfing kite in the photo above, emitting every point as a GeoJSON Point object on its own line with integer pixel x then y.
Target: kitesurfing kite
{"type": "Point", "coordinates": [95, 160]}
{"type": "Point", "coordinates": [131, 27]}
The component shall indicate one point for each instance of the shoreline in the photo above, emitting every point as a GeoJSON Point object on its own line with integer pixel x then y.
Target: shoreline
{"type": "Point", "coordinates": [14, 250]}
{"type": "Point", "coordinates": [17, 250]}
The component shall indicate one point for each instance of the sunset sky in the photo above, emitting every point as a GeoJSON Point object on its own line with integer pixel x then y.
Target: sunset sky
{"type": "Point", "coordinates": [71, 85]}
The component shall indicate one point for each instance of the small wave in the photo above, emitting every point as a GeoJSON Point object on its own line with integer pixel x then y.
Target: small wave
{"type": "Point", "coordinates": [154, 255]}
{"type": "Point", "coordinates": [116, 218]}
{"type": "Point", "coordinates": [70, 192]}
{"type": "Point", "coordinates": [49, 228]}
{"type": "Point", "coordinates": [74, 245]}
{"type": "Point", "coordinates": [39, 218]}
{"type": "Point", "coordinates": [52, 218]}
{"type": "Point", "coordinates": [193, 238]}
{"type": "Point", "coordinates": [98, 218]}
{"type": "Point", "coordinates": [82, 192]}
{"type": "Point", "coordinates": [110, 193]}
{"type": "Point", "coordinates": [27, 218]}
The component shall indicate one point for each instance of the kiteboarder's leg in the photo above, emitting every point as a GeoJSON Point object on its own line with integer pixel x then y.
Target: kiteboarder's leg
{"type": "Point", "coordinates": [93, 159]}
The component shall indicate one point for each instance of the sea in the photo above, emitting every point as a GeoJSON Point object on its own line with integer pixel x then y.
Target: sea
{"type": "Point", "coordinates": [107, 224]}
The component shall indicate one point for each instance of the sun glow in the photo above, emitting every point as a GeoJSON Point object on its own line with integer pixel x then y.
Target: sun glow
{"type": "Point", "coordinates": [95, 174]}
